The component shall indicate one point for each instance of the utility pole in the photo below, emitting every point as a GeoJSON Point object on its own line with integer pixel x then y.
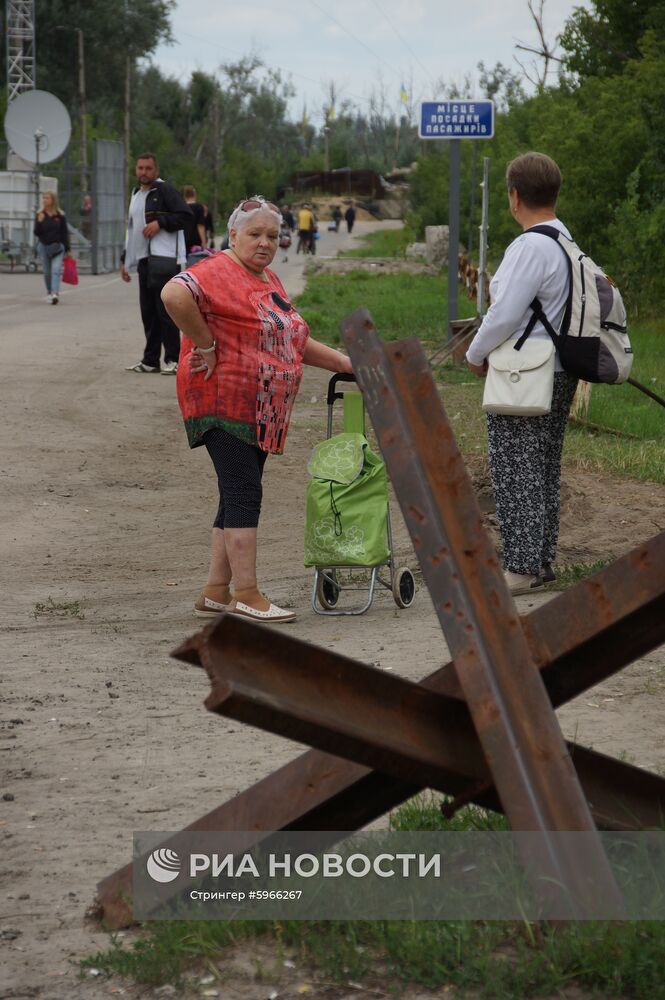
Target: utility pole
{"type": "Point", "coordinates": [326, 162]}
{"type": "Point", "coordinates": [126, 121]}
{"type": "Point", "coordinates": [472, 200]}
{"type": "Point", "coordinates": [82, 104]}
{"type": "Point", "coordinates": [455, 153]}
{"type": "Point", "coordinates": [217, 140]}
{"type": "Point", "coordinates": [84, 130]}
{"type": "Point", "coordinates": [128, 81]}
{"type": "Point", "coordinates": [484, 229]}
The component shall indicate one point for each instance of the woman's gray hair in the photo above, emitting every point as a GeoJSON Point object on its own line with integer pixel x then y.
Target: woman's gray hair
{"type": "Point", "coordinates": [239, 218]}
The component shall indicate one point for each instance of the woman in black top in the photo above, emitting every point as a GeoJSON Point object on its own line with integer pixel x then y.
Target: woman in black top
{"type": "Point", "coordinates": [53, 243]}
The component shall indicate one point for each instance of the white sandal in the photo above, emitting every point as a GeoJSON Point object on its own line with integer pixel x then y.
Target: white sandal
{"type": "Point", "coordinates": [273, 614]}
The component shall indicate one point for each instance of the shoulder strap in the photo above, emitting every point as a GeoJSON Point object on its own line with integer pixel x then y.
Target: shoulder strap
{"type": "Point", "coordinates": [536, 305]}
{"type": "Point", "coordinates": [546, 230]}
{"type": "Point", "coordinates": [530, 325]}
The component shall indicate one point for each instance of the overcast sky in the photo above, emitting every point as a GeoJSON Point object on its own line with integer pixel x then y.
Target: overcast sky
{"type": "Point", "coordinates": [354, 42]}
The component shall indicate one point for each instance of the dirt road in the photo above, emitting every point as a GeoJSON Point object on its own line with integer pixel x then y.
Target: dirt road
{"type": "Point", "coordinates": [106, 518]}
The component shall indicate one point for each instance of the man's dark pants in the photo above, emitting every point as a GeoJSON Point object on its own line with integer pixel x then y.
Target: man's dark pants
{"type": "Point", "coordinates": [158, 325]}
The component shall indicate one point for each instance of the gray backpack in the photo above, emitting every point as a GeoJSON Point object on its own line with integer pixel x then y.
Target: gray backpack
{"type": "Point", "coordinates": [592, 342]}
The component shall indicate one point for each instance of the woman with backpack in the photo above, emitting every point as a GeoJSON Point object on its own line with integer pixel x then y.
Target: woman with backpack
{"type": "Point", "coordinates": [525, 451]}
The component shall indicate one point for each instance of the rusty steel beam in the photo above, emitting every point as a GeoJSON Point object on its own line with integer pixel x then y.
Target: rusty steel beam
{"type": "Point", "coordinates": [512, 714]}
{"type": "Point", "coordinates": [269, 680]}
{"type": "Point", "coordinates": [342, 707]}
{"type": "Point", "coordinates": [320, 791]}
{"type": "Point", "coordinates": [594, 629]}
{"type": "Point", "coordinates": [615, 616]}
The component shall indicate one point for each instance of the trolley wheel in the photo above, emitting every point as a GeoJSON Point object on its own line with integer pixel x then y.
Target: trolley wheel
{"type": "Point", "coordinates": [31, 268]}
{"type": "Point", "coordinates": [327, 589]}
{"type": "Point", "coordinates": [404, 587]}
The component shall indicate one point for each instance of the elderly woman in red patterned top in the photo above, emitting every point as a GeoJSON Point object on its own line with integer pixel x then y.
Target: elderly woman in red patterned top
{"type": "Point", "coordinates": [240, 366]}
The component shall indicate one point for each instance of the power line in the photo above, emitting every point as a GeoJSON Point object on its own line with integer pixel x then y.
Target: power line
{"type": "Point", "coordinates": [351, 35]}
{"type": "Point", "coordinates": [403, 41]}
{"type": "Point", "coordinates": [240, 55]}
{"type": "Point", "coordinates": [208, 41]}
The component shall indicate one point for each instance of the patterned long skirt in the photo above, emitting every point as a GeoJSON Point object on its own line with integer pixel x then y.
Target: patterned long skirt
{"type": "Point", "coordinates": [525, 468]}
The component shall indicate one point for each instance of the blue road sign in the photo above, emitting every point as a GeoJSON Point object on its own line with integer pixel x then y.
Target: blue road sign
{"type": "Point", "coordinates": [456, 120]}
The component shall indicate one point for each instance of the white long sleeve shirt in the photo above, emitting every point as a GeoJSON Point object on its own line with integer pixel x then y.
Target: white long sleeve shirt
{"type": "Point", "coordinates": [162, 244]}
{"type": "Point", "coordinates": [533, 265]}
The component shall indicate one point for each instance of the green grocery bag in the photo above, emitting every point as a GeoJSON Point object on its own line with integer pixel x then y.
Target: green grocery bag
{"type": "Point", "coordinates": [347, 504]}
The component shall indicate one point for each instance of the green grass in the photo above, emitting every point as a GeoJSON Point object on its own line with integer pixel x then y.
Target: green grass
{"type": "Point", "coordinates": [496, 961]}
{"type": "Point", "coordinates": [625, 409]}
{"type": "Point", "coordinates": [383, 243]}
{"type": "Point", "coordinates": [402, 305]}
{"type": "Point", "coordinates": [619, 408]}
{"type": "Point", "coordinates": [416, 305]}
{"type": "Point", "coordinates": [568, 576]}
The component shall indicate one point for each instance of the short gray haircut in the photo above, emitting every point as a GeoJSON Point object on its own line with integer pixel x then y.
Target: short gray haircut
{"type": "Point", "coordinates": [239, 218]}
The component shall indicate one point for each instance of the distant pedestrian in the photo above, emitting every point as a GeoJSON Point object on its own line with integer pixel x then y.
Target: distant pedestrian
{"type": "Point", "coordinates": [337, 217]}
{"type": "Point", "coordinates": [350, 216]}
{"type": "Point", "coordinates": [157, 216]}
{"type": "Point", "coordinates": [305, 229]}
{"type": "Point", "coordinates": [86, 217]}
{"type": "Point", "coordinates": [195, 230]}
{"type": "Point", "coordinates": [209, 227]}
{"type": "Point", "coordinates": [53, 243]}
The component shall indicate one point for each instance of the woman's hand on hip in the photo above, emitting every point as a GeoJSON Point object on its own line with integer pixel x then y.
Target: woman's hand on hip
{"type": "Point", "coordinates": [185, 313]}
{"type": "Point", "coordinates": [203, 363]}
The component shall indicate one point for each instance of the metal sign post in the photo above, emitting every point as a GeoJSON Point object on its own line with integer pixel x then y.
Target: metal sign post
{"type": "Point", "coordinates": [455, 120]}
{"type": "Point", "coordinates": [453, 232]}
{"type": "Point", "coordinates": [484, 227]}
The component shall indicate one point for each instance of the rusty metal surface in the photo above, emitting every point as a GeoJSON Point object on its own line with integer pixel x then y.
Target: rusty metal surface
{"type": "Point", "coordinates": [243, 688]}
{"type": "Point", "coordinates": [335, 704]}
{"type": "Point", "coordinates": [319, 791]}
{"type": "Point", "coordinates": [503, 690]}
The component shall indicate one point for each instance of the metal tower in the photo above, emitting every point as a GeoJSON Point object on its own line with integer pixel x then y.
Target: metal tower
{"type": "Point", "coordinates": [20, 47]}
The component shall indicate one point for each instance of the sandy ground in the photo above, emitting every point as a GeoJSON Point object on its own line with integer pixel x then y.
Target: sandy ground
{"type": "Point", "coordinates": [106, 518]}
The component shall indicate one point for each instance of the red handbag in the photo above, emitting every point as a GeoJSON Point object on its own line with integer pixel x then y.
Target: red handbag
{"type": "Point", "coordinates": [69, 271]}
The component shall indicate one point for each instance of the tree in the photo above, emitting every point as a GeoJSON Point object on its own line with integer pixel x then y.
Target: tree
{"type": "Point", "coordinates": [600, 41]}
{"type": "Point", "coordinates": [546, 51]}
{"type": "Point", "coordinates": [111, 30]}
{"type": "Point", "coordinates": [500, 85]}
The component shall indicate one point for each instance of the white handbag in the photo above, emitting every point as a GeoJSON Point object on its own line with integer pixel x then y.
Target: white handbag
{"type": "Point", "coordinates": [520, 383]}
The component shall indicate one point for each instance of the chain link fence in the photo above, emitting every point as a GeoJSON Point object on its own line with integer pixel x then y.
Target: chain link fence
{"type": "Point", "coordinates": [92, 200]}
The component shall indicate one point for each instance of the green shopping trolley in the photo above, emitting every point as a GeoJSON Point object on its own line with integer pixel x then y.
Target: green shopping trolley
{"type": "Point", "coordinates": [347, 522]}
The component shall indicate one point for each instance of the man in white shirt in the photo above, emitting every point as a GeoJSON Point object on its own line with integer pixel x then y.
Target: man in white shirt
{"type": "Point", "coordinates": [525, 452]}
{"type": "Point", "coordinates": [157, 215]}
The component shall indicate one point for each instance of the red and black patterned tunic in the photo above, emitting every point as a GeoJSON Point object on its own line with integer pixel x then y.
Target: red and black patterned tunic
{"type": "Point", "coordinates": [260, 343]}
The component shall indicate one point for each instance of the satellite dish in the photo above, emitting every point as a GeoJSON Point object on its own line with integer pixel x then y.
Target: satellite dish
{"type": "Point", "coordinates": [38, 126]}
